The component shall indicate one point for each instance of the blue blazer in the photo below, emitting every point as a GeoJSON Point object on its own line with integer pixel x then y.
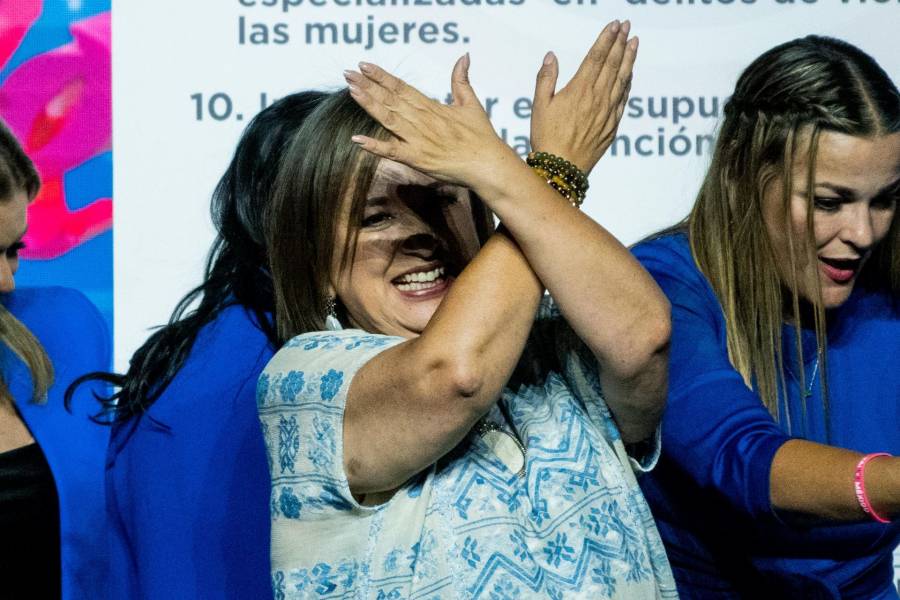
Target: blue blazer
{"type": "Point", "coordinates": [77, 341]}
{"type": "Point", "coordinates": [188, 481]}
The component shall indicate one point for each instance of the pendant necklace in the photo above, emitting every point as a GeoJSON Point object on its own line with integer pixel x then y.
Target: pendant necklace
{"type": "Point", "coordinates": [812, 380]}
{"type": "Point", "coordinates": [505, 445]}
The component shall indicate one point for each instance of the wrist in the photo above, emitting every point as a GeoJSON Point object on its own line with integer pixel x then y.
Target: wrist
{"type": "Point", "coordinates": [498, 176]}
{"type": "Point", "coordinates": [882, 483]}
{"type": "Point", "coordinates": [570, 155]}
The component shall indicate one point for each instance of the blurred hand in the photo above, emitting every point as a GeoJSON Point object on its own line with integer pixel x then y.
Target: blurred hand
{"type": "Point", "coordinates": [454, 143]}
{"type": "Point", "coordinates": [579, 122]}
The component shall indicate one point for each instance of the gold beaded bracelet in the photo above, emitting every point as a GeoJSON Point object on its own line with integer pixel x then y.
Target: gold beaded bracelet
{"type": "Point", "coordinates": [561, 175]}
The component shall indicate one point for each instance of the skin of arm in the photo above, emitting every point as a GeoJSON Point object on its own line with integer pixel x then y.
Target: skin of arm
{"type": "Point", "coordinates": [717, 435]}
{"type": "Point", "coordinates": [815, 479]}
{"type": "Point", "coordinates": [583, 266]}
{"type": "Point", "coordinates": [412, 404]}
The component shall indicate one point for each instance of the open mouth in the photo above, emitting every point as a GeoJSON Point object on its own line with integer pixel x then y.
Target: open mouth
{"type": "Point", "coordinates": [840, 270]}
{"type": "Point", "coordinates": [422, 281]}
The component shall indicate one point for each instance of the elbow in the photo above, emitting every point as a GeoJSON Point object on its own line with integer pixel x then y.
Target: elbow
{"type": "Point", "coordinates": [463, 378]}
{"type": "Point", "coordinates": [648, 344]}
{"type": "Point", "coordinates": [656, 336]}
{"type": "Point", "coordinates": [638, 387]}
{"type": "Point", "coordinates": [458, 389]}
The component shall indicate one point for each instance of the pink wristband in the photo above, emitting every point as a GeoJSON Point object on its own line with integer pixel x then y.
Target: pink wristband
{"type": "Point", "coordinates": [859, 486]}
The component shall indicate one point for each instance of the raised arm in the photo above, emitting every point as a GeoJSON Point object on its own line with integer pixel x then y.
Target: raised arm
{"type": "Point", "coordinates": [610, 301]}
{"type": "Point", "coordinates": [605, 295]}
{"type": "Point", "coordinates": [413, 403]}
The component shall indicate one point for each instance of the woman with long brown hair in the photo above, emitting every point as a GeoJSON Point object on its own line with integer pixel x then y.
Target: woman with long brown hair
{"type": "Point", "coordinates": [465, 435]}
{"type": "Point", "coordinates": [53, 540]}
{"type": "Point", "coordinates": [784, 396]}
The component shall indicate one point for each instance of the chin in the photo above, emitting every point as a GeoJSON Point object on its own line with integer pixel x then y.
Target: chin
{"type": "Point", "coordinates": [418, 317]}
{"type": "Point", "coordinates": [834, 298]}
{"type": "Point", "coordinates": [420, 305]}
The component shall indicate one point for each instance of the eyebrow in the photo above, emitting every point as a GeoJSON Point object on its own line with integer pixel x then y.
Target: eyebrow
{"type": "Point", "coordinates": [376, 200]}
{"type": "Point", "coordinates": [402, 188]}
{"type": "Point", "coordinates": [849, 194]}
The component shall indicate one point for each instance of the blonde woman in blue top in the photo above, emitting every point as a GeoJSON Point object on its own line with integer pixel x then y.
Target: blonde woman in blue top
{"type": "Point", "coordinates": [53, 542]}
{"type": "Point", "coordinates": [784, 388]}
{"type": "Point", "coordinates": [454, 441]}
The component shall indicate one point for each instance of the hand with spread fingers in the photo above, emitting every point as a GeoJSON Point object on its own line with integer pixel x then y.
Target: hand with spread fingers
{"type": "Point", "coordinates": [455, 143]}
{"type": "Point", "coordinates": [579, 122]}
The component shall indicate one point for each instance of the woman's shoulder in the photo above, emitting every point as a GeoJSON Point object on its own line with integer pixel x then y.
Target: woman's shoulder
{"type": "Point", "coordinates": [332, 345]}
{"type": "Point", "coordinates": [669, 250]}
{"type": "Point", "coordinates": [59, 306]}
{"type": "Point", "coordinates": [61, 319]}
{"type": "Point", "coordinates": [320, 363]}
{"type": "Point", "coordinates": [224, 362]}
{"type": "Point", "coordinates": [233, 335]}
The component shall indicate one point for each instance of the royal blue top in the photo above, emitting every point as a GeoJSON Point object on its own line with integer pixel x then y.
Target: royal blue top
{"type": "Point", "coordinates": [188, 481]}
{"type": "Point", "coordinates": [75, 338]}
{"type": "Point", "coordinates": [710, 492]}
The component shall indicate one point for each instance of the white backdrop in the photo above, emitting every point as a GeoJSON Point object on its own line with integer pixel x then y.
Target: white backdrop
{"type": "Point", "coordinates": [187, 76]}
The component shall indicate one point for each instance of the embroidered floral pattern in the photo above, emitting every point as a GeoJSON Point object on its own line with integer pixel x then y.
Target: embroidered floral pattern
{"type": "Point", "coordinates": [574, 526]}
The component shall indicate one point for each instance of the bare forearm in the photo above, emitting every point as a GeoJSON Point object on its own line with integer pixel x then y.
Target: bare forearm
{"type": "Point", "coordinates": [606, 296]}
{"type": "Point", "coordinates": [413, 403]}
{"type": "Point", "coordinates": [817, 480]}
{"type": "Point", "coordinates": [484, 321]}
{"type": "Point", "coordinates": [613, 305]}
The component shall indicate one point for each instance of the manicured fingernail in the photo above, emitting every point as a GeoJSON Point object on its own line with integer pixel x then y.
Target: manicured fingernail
{"type": "Point", "coordinates": [366, 67]}
{"type": "Point", "coordinates": [614, 26]}
{"type": "Point", "coordinates": [548, 58]}
{"type": "Point", "coordinates": [351, 75]}
{"type": "Point", "coordinates": [626, 27]}
{"type": "Point", "coordinates": [354, 89]}
{"type": "Point", "coordinates": [357, 139]}
{"type": "Point", "coordinates": [633, 44]}
{"type": "Point", "coordinates": [466, 60]}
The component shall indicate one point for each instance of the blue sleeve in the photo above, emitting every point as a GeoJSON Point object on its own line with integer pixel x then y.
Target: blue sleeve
{"type": "Point", "coordinates": [715, 428]}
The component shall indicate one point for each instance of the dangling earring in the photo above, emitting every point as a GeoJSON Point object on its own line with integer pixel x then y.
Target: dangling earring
{"type": "Point", "coordinates": [331, 320]}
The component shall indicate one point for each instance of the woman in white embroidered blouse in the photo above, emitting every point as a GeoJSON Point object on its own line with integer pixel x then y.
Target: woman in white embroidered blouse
{"type": "Point", "coordinates": [453, 440]}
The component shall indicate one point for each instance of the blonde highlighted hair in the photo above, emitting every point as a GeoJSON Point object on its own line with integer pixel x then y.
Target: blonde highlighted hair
{"type": "Point", "coordinates": [17, 174]}
{"type": "Point", "coordinates": [781, 104]}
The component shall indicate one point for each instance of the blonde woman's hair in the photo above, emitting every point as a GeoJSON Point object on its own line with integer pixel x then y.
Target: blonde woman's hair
{"type": "Point", "coordinates": [781, 104]}
{"type": "Point", "coordinates": [17, 174]}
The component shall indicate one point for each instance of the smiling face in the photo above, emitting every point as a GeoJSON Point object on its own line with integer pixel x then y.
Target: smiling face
{"type": "Point", "coordinates": [415, 236]}
{"type": "Point", "coordinates": [857, 183]}
{"type": "Point", "coordinates": [13, 213]}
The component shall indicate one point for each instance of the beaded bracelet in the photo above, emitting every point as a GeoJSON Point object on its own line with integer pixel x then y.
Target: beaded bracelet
{"type": "Point", "coordinates": [563, 176]}
{"type": "Point", "coordinates": [859, 486]}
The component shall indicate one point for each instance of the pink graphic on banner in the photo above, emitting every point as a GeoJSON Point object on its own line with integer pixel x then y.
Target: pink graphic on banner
{"type": "Point", "coordinates": [58, 104]}
{"type": "Point", "coordinates": [16, 17]}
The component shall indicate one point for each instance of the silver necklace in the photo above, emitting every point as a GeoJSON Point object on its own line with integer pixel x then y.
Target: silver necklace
{"type": "Point", "coordinates": [812, 379]}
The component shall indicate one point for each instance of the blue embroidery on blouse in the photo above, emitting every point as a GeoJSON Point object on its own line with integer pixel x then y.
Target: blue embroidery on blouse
{"type": "Point", "coordinates": [331, 383]}
{"type": "Point", "coordinates": [574, 526]}
{"type": "Point", "coordinates": [291, 386]}
{"type": "Point", "coordinates": [288, 443]}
